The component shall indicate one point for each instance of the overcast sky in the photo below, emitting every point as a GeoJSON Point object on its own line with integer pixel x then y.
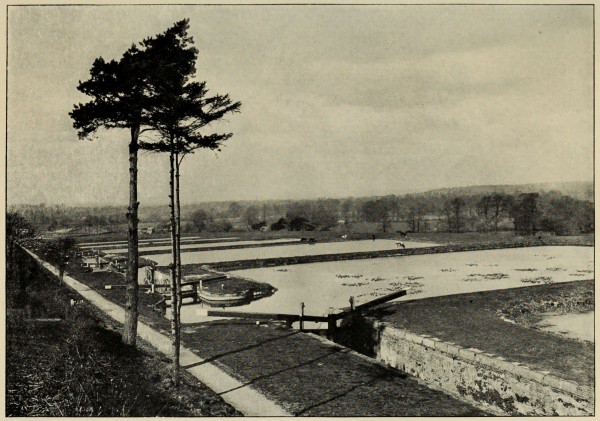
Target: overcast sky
{"type": "Point", "coordinates": [336, 100]}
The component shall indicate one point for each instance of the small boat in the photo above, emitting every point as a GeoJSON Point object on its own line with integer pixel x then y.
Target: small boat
{"type": "Point", "coordinates": [225, 300]}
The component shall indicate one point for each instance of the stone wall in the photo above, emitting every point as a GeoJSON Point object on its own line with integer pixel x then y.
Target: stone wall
{"type": "Point", "coordinates": [507, 387]}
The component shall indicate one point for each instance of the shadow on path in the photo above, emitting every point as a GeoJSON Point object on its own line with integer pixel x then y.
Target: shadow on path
{"type": "Point", "coordinates": [277, 372]}
{"type": "Point", "coordinates": [235, 351]}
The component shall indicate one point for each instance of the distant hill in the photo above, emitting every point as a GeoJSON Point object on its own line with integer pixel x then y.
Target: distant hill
{"type": "Point", "coordinates": [582, 190]}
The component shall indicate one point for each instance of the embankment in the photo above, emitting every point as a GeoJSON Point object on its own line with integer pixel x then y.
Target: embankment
{"type": "Point", "coordinates": [227, 247]}
{"type": "Point", "coordinates": [450, 248]}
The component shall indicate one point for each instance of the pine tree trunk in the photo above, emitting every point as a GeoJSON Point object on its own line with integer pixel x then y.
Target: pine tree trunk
{"type": "Point", "coordinates": [174, 292]}
{"type": "Point", "coordinates": [178, 237]}
{"type": "Point", "coordinates": [131, 291]}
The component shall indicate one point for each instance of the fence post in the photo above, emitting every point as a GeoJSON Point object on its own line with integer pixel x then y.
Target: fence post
{"type": "Point", "coordinates": [301, 317]}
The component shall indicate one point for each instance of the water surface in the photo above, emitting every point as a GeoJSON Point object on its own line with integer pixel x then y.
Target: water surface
{"type": "Point", "coordinates": [577, 326]}
{"type": "Point", "coordinates": [328, 285]}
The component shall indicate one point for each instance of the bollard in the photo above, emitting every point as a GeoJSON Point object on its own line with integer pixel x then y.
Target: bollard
{"type": "Point", "coordinates": [301, 317]}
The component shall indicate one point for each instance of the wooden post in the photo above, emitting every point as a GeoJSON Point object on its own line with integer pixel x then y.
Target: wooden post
{"type": "Point", "coordinates": [301, 317]}
{"type": "Point", "coordinates": [331, 325]}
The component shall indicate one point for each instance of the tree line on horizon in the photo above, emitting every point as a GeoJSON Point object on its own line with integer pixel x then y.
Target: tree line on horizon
{"type": "Point", "coordinates": [423, 212]}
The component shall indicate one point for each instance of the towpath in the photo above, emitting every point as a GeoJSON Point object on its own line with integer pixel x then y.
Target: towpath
{"type": "Point", "coordinates": [269, 370]}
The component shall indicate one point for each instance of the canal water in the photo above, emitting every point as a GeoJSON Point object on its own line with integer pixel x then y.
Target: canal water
{"type": "Point", "coordinates": [327, 286]}
{"type": "Point", "coordinates": [577, 326]}
{"type": "Point", "coordinates": [286, 251]}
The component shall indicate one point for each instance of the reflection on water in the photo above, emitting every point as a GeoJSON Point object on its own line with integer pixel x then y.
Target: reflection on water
{"type": "Point", "coordinates": [576, 326]}
{"type": "Point", "coordinates": [286, 251]}
{"type": "Point", "coordinates": [322, 286]}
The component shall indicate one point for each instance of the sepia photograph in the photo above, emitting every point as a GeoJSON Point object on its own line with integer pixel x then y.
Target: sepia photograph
{"type": "Point", "coordinates": [323, 210]}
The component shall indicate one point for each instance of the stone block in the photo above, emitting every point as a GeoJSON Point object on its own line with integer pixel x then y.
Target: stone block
{"type": "Point", "coordinates": [536, 376]}
{"type": "Point", "coordinates": [484, 359]}
{"type": "Point", "coordinates": [569, 386]}
{"type": "Point", "coordinates": [521, 371]}
{"type": "Point", "coordinates": [398, 334]}
{"type": "Point", "coordinates": [467, 354]}
{"type": "Point", "coordinates": [428, 342]}
{"type": "Point", "coordinates": [453, 349]}
{"type": "Point", "coordinates": [411, 337]}
{"type": "Point", "coordinates": [552, 381]}
{"type": "Point", "coordinates": [500, 364]}
{"type": "Point", "coordinates": [441, 346]}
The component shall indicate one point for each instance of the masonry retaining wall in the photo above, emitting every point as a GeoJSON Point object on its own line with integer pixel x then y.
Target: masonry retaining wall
{"type": "Point", "coordinates": [508, 387]}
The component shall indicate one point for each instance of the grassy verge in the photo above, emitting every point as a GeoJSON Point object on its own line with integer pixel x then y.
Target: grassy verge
{"type": "Point", "coordinates": [65, 360]}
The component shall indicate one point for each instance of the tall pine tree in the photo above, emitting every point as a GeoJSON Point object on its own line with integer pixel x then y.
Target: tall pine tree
{"type": "Point", "coordinates": [182, 109]}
